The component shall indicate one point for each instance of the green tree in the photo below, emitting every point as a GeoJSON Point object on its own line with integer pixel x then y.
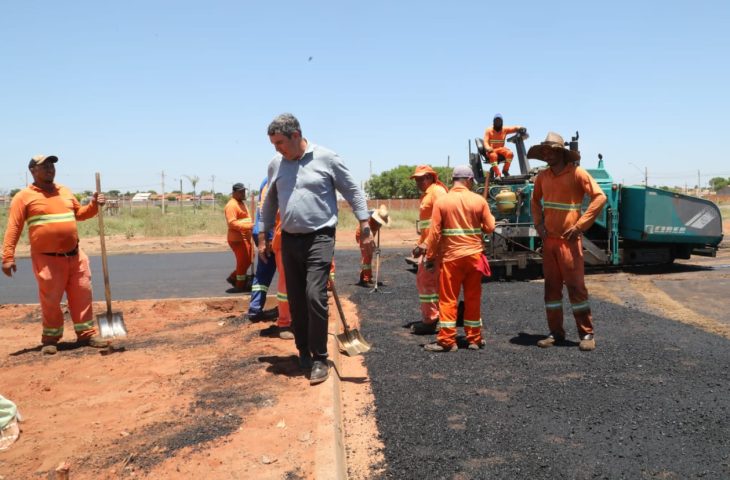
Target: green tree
{"type": "Point", "coordinates": [13, 192]}
{"type": "Point", "coordinates": [194, 179]}
{"type": "Point", "coordinates": [718, 183]}
{"type": "Point", "coordinates": [397, 182]}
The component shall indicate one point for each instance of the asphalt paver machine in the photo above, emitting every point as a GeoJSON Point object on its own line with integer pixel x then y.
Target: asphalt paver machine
{"type": "Point", "coordinates": [638, 225]}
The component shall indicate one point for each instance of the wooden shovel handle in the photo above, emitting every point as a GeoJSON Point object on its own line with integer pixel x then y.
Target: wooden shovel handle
{"type": "Point", "coordinates": [104, 266]}
{"type": "Point", "coordinates": [339, 307]}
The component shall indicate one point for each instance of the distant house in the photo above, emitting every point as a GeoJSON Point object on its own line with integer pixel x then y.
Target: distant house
{"type": "Point", "coordinates": [141, 197]}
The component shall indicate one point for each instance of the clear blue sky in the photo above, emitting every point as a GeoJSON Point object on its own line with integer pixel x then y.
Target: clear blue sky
{"type": "Point", "coordinates": [134, 88]}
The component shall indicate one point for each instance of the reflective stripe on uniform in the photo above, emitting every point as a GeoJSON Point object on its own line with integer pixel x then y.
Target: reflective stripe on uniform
{"type": "Point", "coordinates": [429, 298]}
{"type": "Point", "coordinates": [259, 288]}
{"type": "Point", "coordinates": [581, 306]}
{"type": "Point", "coordinates": [82, 327]}
{"type": "Point", "coordinates": [241, 278]}
{"type": "Point", "coordinates": [473, 323]}
{"type": "Point", "coordinates": [453, 232]}
{"type": "Point", "coordinates": [561, 206]}
{"type": "Point", "coordinates": [366, 266]}
{"type": "Point", "coordinates": [557, 305]}
{"type": "Point", "coordinates": [496, 141]}
{"type": "Point", "coordinates": [445, 324]}
{"type": "Point", "coordinates": [50, 218]}
{"type": "Point", "coordinates": [52, 332]}
{"type": "Point", "coordinates": [423, 223]}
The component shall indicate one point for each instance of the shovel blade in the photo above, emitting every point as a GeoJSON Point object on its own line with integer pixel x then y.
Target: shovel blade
{"type": "Point", "coordinates": [352, 343]}
{"type": "Point", "coordinates": [111, 325]}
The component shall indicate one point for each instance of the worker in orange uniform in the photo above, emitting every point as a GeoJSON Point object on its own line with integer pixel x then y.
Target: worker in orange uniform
{"type": "Point", "coordinates": [556, 210]}
{"type": "Point", "coordinates": [59, 265]}
{"type": "Point", "coordinates": [240, 227]}
{"type": "Point", "coordinates": [458, 221]}
{"type": "Point", "coordinates": [282, 328]}
{"type": "Point", "coordinates": [494, 138]}
{"type": "Point", "coordinates": [427, 282]}
{"type": "Point", "coordinates": [377, 219]}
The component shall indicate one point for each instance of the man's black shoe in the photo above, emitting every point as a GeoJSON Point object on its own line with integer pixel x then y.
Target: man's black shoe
{"type": "Point", "coordinates": [320, 372]}
{"type": "Point", "coordinates": [305, 361]}
{"type": "Point", "coordinates": [264, 315]}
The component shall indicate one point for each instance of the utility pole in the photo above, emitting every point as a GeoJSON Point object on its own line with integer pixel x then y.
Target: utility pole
{"type": "Point", "coordinates": [212, 188]}
{"type": "Point", "coordinates": [26, 178]}
{"type": "Point", "coordinates": [646, 176]}
{"type": "Point", "coordinates": [181, 197]}
{"type": "Point", "coordinates": [163, 192]}
{"type": "Point", "coordinates": [698, 183]}
{"type": "Point", "coordinates": [448, 161]}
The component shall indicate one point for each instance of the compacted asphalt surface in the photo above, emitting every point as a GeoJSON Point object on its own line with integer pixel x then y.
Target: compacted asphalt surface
{"type": "Point", "coordinates": [652, 401]}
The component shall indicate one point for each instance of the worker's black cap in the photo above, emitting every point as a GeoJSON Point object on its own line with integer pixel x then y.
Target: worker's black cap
{"type": "Point", "coordinates": [40, 159]}
{"type": "Point", "coordinates": [237, 187]}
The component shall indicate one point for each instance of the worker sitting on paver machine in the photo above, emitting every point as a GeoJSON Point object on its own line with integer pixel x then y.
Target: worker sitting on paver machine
{"type": "Point", "coordinates": [494, 145]}
{"type": "Point", "coordinates": [240, 227]}
{"type": "Point", "coordinates": [459, 219]}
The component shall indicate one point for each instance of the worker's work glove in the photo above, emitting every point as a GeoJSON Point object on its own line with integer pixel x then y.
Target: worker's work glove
{"type": "Point", "coordinates": [573, 233]}
{"type": "Point", "coordinates": [429, 266]}
{"type": "Point", "coordinates": [418, 250]}
{"type": "Point", "coordinates": [9, 268]}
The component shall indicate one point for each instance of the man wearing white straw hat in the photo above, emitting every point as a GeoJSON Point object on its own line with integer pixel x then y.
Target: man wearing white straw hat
{"type": "Point", "coordinates": [377, 219]}
{"type": "Point", "coordinates": [556, 210]}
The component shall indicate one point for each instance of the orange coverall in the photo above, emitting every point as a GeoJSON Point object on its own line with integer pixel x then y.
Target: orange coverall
{"type": "Point", "coordinates": [561, 196]}
{"type": "Point", "coordinates": [366, 257]}
{"type": "Point", "coordinates": [59, 264]}
{"type": "Point", "coordinates": [284, 320]}
{"type": "Point", "coordinates": [495, 140]}
{"type": "Point", "coordinates": [240, 227]}
{"type": "Point", "coordinates": [458, 221]}
{"type": "Point", "coordinates": [427, 283]}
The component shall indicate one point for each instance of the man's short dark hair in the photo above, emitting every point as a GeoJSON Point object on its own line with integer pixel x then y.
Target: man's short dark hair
{"type": "Point", "coordinates": [285, 124]}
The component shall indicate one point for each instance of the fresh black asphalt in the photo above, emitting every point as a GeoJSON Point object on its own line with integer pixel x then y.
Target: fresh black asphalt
{"type": "Point", "coordinates": [652, 401]}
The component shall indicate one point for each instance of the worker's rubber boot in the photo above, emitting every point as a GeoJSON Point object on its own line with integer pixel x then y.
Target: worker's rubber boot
{"type": "Point", "coordinates": [421, 328]}
{"type": "Point", "coordinates": [231, 279]}
{"type": "Point", "coordinates": [436, 347]}
{"type": "Point", "coordinates": [50, 349]}
{"type": "Point", "coordinates": [550, 340]}
{"type": "Point", "coordinates": [94, 341]}
{"type": "Point", "coordinates": [587, 343]}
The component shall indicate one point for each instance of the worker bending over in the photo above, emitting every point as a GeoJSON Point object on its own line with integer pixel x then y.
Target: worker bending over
{"type": "Point", "coordinates": [240, 227]}
{"type": "Point", "coordinates": [60, 266]}
{"type": "Point", "coordinates": [556, 210]}
{"type": "Point", "coordinates": [459, 219]}
{"type": "Point", "coordinates": [427, 281]}
{"type": "Point", "coordinates": [494, 144]}
{"type": "Point", "coordinates": [377, 219]}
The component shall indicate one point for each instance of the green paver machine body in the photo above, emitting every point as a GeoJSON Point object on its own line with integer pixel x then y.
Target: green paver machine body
{"type": "Point", "coordinates": [638, 225]}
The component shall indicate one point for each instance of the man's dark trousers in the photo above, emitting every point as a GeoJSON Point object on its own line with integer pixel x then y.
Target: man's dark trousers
{"type": "Point", "coordinates": [307, 259]}
{"type": "Point", "coordinates": [262, 279]}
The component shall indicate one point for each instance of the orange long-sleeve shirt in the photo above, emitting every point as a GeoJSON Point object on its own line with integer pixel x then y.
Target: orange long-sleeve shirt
{"type": "Point", "coordinates": [51, 218]}
{"type": "Point", "coordinates": [495, 139]}
{"type": "Point", "coordinates": [239, 221]}
{"type": "Point", "coordinates": [459, 218]}
{"type": "Point", "coordinates": [562, 196]}
{"type": "Point", "coordinates": [425, 209]}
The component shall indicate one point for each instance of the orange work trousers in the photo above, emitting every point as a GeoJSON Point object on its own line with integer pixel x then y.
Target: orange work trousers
{"type": "Point", "coordinates": [59, 275]}
{"type": "Point", "coordinates": [494, 159]}
{"type": "Point", "coordinates": [366, 265]}
{"type": "Point", "coordinates": [427, 284]}
{"type": "Point", "coordinates": [562, 264]}
{"type": "Point", "coordinates": [243, 252]}
{"type": "Point", "coordinates": [284, 319]}
{"type": "Point", "coordinates": [456, 274]}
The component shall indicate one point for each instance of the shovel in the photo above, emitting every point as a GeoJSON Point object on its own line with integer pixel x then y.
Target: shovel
{"type": "Point", "coordinates": [377, 266]}
{"type": "Point", "coordinates": [351, 342]}
{"type": "Point", "coordinates": [111, 324]}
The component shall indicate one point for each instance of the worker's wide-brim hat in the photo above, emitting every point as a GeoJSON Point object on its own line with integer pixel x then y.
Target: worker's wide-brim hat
{"type": "Point", "coordinates": [553, 141]}
{"type": "Point", "coordinates": [41, 159]}
{"type": "Point", "coordinates": [238, 187]}
{"type": "Point", "coordinates": [381, 215]}
{"type": "Point", "coordinates": [9, 434]}
{"type": "Point", "coordinates": [422, 170]}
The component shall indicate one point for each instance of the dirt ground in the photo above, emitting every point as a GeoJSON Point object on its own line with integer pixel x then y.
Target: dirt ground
{"type": "Point", "coordinates": [194, 391]}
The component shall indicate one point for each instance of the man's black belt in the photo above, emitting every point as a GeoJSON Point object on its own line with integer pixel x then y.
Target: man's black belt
{"type": "Point", "coordinates": [325, 230]}
{"type": "Point", "coordinates": [71, 253]}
